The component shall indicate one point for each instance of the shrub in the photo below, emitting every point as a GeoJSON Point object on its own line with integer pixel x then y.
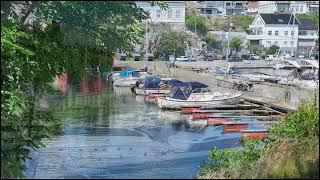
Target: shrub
{"type": "Point", "coordinates": [272, 49]}
{"type": "Point", "coordinates": [236, 43]}
{"type": "Point", "coordinates": [193, 20]}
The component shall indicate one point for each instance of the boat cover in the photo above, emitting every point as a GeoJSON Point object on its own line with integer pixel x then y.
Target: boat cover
{"type": "Point", "coordinates": [197, 85]}
{"type": "Point", "coordinates": [129, 72]}
{"type": "Point", "coordinates": [151, 82]}
{"type": "Point", "coordinates": [184, 90]}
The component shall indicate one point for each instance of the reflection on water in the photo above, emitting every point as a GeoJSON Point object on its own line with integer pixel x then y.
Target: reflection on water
{"type": "Point", "coordinates": [115, 134]}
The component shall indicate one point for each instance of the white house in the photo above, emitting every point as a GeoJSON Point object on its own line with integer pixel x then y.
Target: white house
{"type": "Point", "coordinates": [274, 29]}
{"type": "Point", "coordinates": [174, 14]}
{"type": "Point", "coordinates": [283, 30]}
{"type": "Point", "coordinates": [299, 7]}
{"type": "Point", "coordinates": [308, 33]}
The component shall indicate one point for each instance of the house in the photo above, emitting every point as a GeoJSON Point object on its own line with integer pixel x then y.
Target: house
{"type": "Point", "coordinates": [283, 30]}
{"type": "Point", "coordinates": [222, 7]}
{"type": "Point", "coordinates": [174, 14]}
{"type": "Point", "coordinates": [299, 7]}
{"type": "Point", "coordinates": [308, 33]}
{"type": "Point", "coordinates": [274, 29]}
{"type": "Point", "coordinates": [252, 7]}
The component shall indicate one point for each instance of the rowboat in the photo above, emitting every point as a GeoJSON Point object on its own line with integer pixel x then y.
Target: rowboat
{"type": "Point", "coordinates": [195, 94]}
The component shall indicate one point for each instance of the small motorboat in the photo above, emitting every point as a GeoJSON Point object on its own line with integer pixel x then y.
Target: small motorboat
{"type": "Point", "coordinates": [154, 85]}
{"type": "Point", "coordinates": [126, 78]}
{"type": "Point", "coordinates": [195, 94]}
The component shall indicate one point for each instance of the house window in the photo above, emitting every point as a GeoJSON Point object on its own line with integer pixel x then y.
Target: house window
{"type": "Point", "coordinates": [158, 13]}
{"type": "Point", "coordinates": [276, 42]}
{"type": "Point", "coordinates": [301, 8]}
{"type": "Point", "coordinates": [286, 33]}
{"type": "Point", "coordinates": [178, 13]}
{"type": "Point", "coordinates": [292, 42]}
{"type": "Point", "coordinates": [268, 42]}
{"type": "Point", "coordinates": [292, 33]}
{"type": "Point", "coordinates": [284, 42]}
{"type": "Point", "coordinates": [228, 4]}
{"type": "Point", "coordinates": [276, 33]}
{"type": "Point", "coordinates": [269, 32]}
{"type": "Point", "coordinates": [297, 8]}
{"type": "Point", "coordinates": [169, 13]}
{"type": "Point", "coordinates": [311, 33]}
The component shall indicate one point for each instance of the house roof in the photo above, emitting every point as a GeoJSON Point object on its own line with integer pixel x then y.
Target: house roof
{"type": "Point", "coordinates": [278, 19]}
{"type": "Point", "coordinates": [307, 24]}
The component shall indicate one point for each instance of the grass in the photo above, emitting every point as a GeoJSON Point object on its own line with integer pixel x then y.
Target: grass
{"type": "Point", "coordinates": [292, 151]}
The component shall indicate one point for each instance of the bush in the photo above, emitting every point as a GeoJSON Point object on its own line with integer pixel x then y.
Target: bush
{"type": "Point", "coordinates": [242, 20]}
{"type": "Point", "coordinates": [236, 43]}
{"type": "Point", "coordinates": [254, 49]}
{"type": "Point", "coordinates": [272, 49]}
{"type": "Point", "coordinates": [192, 20]}
{"type": "Point", "coordinates": [211, 41]}
{"type": "Point", "coordinates": [292, 151]}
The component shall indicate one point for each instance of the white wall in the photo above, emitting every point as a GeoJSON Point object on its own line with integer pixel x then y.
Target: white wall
{"type": "Point", "coordinates": [175, 8]}
{"type": "Point", "coordinates": [282, 39]}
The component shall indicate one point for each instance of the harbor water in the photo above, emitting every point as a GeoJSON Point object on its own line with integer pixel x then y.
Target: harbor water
{"type": "Point", "coordinates": [111, 133]}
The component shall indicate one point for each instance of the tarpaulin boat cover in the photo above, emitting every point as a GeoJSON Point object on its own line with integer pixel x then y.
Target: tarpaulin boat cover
{"type": "Point", "coordinates": [151, 82]}
{"type": "Point", "coordinates": [129, 72]}
{"type": "Point", "coordinates": [185, 89]}
{"type": "Point", "coordinates": [197, 85]}
{"type": "Point", "coordinates": [175, 82]}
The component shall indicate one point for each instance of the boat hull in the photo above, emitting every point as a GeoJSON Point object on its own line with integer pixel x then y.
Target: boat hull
{"type": "Point", "coordinates": [146, 92]}
{"type": "Point", "coordinates": [169, 103]}
{"type": "Point", "coordinates": [125, 82]}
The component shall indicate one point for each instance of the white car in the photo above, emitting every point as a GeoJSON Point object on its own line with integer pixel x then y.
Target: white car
{"type": "Point", "coordinates": [182, 58]}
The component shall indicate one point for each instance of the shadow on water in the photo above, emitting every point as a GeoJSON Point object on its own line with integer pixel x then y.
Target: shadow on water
{"type": "Point", "coordinates": [111, 133]}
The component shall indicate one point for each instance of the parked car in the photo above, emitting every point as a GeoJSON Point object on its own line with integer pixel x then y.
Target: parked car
{"type": "Point", "coordinates": [182, 58]}
{"type": "Point", "coordinates": [136, 56]}
{"type": "Point", "coordinates": [245, 56]}
{"type": "Point", "coordinates": [254, 57]}
{"type": "Point", "coordinates": [149, 57]}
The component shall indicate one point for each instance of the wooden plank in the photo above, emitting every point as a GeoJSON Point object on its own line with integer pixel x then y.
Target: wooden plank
{"type": "Point", "coordinates": [241, 116]}
{"type": "Point", "coordinates": [220, 111]}
{"type": "Point", "coordinates": [254, 130]}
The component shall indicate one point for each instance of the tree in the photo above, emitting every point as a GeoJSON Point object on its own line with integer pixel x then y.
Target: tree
{"type": "Point", "coordinates": [65, 36]}
{"type": "Point", "coordinates": [272, 49]}
{"type": "Point", "coordinates": [236, 43]}
{"type": "Point", "coordinates": [196, 22]}
{"type": "Point", "coordinates": [211, 41]}
{"type": "Point", "coordinates": [170, 43]}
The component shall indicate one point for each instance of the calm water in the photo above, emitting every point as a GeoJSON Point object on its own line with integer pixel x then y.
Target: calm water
{"type": "Point", "coordinates": [112, 133]}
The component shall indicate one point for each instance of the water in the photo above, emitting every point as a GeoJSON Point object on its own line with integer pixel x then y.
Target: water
{"type": "Point", "coordinates": [115, 134]}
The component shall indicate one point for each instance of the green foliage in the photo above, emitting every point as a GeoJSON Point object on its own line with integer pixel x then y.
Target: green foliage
{"type": "Point", "coordinates": [170, 43]}
{"type": "Point", "coordinates": [272, 49]}
{"type": "Point", "coordinates": [231, 160]}
{"type": "Point", "coordinates": [294, 143]}
{"type": "Point", "coordinates": [195, 21]}
{"type": "Point", "coordinates": [211, 41]}
{"type": "Point", "coordinates": [301, 124]}
{"type": "Point", "coordinates": [242, 20]}
{"type": "Point", "coordinates": [77, 35]}
{"type": "Point", "coordinates": [236, 43]}
{"type": "Point", "coordinates": [312, 17]}
{"type": "Point", "coordinates": [254, 49]}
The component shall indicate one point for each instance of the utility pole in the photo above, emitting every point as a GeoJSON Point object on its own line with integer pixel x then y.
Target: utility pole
{"type": "Point", "coordinates": [227, 63]}
{"type": "Point", "coordinates": [146, 57]}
